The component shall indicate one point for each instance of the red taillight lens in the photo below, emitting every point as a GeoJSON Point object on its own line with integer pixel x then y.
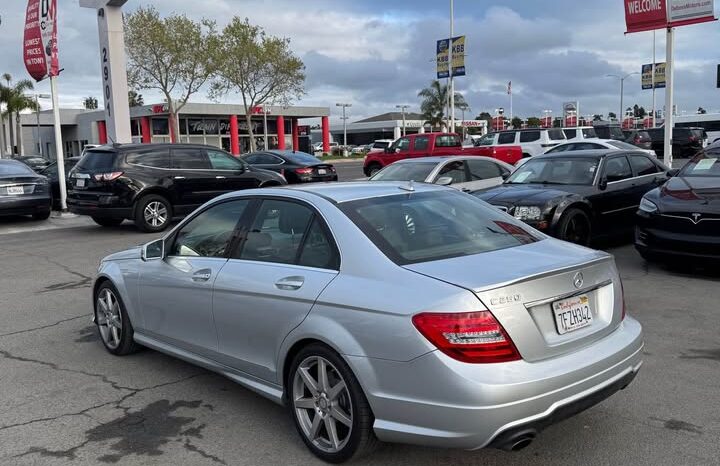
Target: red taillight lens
{"type": "Point", "coordinates": [108, 176]}
{"type": "Point", "coordinates": [637, 139]}
{"type": "Point", "coordinates": [474, 337]}
{"type": "Point", "coordinates": [303, 171]}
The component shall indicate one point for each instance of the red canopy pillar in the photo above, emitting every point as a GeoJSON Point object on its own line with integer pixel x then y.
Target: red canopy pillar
{"type": "Point", "coordinates": [234, 136]}
{"type": "Point", "coordinates": [145, 129]}
{"type": "Point", "coordinates": [326, 134]}
{"type": "Point", "coordinates": [102, 132]}
{"type": "Point", "coordinates": [281, 132]}
{"type": "Point", "coordinates": [295, 134]}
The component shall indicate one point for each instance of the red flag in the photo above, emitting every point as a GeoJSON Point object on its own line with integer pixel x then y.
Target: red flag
{"type": "Point", "coordinates": [509, 87]}
{"type": "Point", "coordinates": [40, 52]}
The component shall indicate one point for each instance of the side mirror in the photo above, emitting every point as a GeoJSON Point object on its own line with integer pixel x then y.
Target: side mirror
{"type": "Point", "coordinates": [602, 185]}
{"type": "Point", "coordinates": [673, 172]}
{"type": "Point", "coordinates": [444, 181]}
{"type": "Point", "coordinates": [154, 250]}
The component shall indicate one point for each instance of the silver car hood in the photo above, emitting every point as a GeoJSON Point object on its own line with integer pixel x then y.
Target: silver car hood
{"type": "Point", "coordinates": [131, 253]}
{"type": "Point", "coordinates": [485, 271]}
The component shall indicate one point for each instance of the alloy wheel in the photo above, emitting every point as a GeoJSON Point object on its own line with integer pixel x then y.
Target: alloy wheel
{"type": "Point", "coordinates": [322, 404]}
{"type": "Point", "coordinates": [109, 318]}
{"type": "Point", "coordinates": [155, 213]}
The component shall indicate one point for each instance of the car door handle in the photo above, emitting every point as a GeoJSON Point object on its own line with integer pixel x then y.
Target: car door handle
{"type": "Point", "coordinates": [179, 177]}
{"type": "Point", "coordinates": [290, 283]}
{"type": "Point", "coordinates": [219, 177]}
{"type": "Point", "coordinates": [202, 275]}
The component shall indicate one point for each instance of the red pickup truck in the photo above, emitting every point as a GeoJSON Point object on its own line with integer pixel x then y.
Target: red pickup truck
{"type": "Point", "coordinates": [434, 144]}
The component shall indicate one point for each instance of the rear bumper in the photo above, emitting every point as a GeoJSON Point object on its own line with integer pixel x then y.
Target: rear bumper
{"type": "Point", "coordinates": [108, 206]}
{"type": "Point", "coordinates": [437, 401]}
{"type": "Point", "coordinates": [26, 205]}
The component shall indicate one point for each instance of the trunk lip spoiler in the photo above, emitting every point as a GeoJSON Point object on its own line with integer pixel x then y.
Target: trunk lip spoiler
{"type": "Point", "coordinates": [570, 294]}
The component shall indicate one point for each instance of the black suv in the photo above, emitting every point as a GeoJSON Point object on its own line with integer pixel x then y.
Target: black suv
{"type": "Point", "coordinates": [686, 141]}
{"type": "Point", "coordinates": [638, 137]}
{"type": "Point", "coordinates": [152, 183]}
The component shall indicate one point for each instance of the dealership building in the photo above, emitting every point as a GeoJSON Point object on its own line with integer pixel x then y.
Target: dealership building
{"type": "Point", "coordinates": [220, 125]}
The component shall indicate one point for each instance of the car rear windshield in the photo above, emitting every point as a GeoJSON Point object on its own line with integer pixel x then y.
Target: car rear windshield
{"type": "Point", "coordinates": [556, 135]}
{"type": "Point", "coordinates": [97, 160]}
{"type": "Point", "coordinates": [416, 171]}
{"type": "Point", "coordinates": [421, 227]}
{"type": "Point", "coordinates": [556, 170]}
{"type": "Point", "coordinates": [704, 164]}
{"type": "Point", "coordinates": [14, 168]}
{"type": "Point", "coordinates": [302, 158]}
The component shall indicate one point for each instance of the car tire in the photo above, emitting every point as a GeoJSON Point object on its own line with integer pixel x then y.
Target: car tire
{"type": "Point", "coordinates": [326, 408]}
{"type": "Point", "coordinates": [112, 321]}
{"type": "Point", "coordinates": [42, 215]}
{"type": "Point", "coordinates": [372, 169]}
{"type": "Point", "coordinates": [107, 221]}
{"type": "Point", "coordinates": [575, 227]}
{"type": "Point", "coordinates": [153, 213]}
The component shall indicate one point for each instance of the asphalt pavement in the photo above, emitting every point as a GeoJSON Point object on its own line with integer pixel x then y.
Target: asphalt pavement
{"type": "Point", "coordinates": [65, 400]}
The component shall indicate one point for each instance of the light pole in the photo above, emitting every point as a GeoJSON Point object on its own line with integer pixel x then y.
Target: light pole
{"type": "Point", "coordinates": [37, 115]}
{"type": "Point", "coordinates": [344, 119]}
{"type": "Point", "coordinates": [403, 108]}
{"type": "Point", "coordinates": [622, 92]}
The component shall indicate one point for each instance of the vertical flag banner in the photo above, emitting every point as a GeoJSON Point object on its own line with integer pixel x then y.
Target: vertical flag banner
{"type": "Point", "coordinates": [458, 53]}
{"type": "Point", "coordinates": [40, 51]}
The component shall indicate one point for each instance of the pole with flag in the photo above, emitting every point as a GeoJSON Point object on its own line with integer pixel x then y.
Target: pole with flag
{"type": "Point", "coordinates": [40, 54]}
{"type": "Point", "coordinates": [509, 91]}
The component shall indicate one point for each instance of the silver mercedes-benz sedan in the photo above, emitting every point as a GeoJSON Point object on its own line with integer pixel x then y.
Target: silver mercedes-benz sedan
{"type": "Point", "coordinates": [379, 312]}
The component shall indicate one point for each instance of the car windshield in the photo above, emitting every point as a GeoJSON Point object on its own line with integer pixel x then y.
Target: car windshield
{"type": "Point", "coordinates": [381, 144]}
{"type": "Point", "coordinates": [556, 170]}
{"type": "Point", "coordinates": [417, 171]}
{"type": "Point", "coordinates": [421, 227]}
{"type": "Point", "coordinates": [14, 169]}
{"type": "Point", "coordinates": [301, 158]}
{"type": "Point", "coordinates": [622, 145]}
{"type": "Point", "coordinates": [703, 164]}
{"type": "Point", "coordinates": [97, 160]}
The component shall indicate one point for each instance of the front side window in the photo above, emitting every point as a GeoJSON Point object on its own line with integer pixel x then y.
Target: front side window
{"type": "Point", "coordinates": [617, 169]}
{"type": "Point", "coordinates": [402, 144]}
{"type": "Point", "coordinates": [431, 226]}
{"type": "Point", "coordinates": [506, 138]}
{"type": "Point", "coordinates": [209, 234]}
{"type": "Point", "coordinates": [448, 140]}
{"type": "Point", "coordinates": [487, 140]}
{"type": "Point", "coordinates": [190, 159]}
{"type": "Point", "coordinates": [643, 165]}
{"type": "Point", "coordinates": [222, 161]}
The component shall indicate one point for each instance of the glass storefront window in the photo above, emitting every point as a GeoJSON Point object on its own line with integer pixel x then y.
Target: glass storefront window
{"type": "Point", "coordinates": [196, 126]}
{"type": "Point", "coordinates": [160, 126]}
{"type": "Point", "coordinates": [211, 125]}
{"type": "Point", "coordinates": [183, 126]}
{"type": "Point", "coordinates": [224, 126]}
{"type": "Point", "coordinates": [135, 127]}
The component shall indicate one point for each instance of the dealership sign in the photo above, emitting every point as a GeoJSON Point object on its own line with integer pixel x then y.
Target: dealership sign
{"type": "Point", "coordinates": [458, 57]}
{"type": "Point", "coordinates": [647, 78]}
{"type": "Point", "coordinates": [647, 15]}
{"type": "Point", "coordinates": [40, 52]}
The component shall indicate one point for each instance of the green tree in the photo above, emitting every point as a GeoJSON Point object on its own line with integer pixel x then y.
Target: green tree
{"type": "Point", "coordinates": [15, 100]}
{"type": "Point", "coordinates": [90, 103]}
{"type": "Point", "coordinates": [260, 67]}
{"type": "Point", "coordinates": [516, 122]}
{"type": "Point", "coordinates": [173, 55]}
{"type": "Point", "coordinates": [534, 122]}
{"type": "Point", "coordinates": [638, 112]}
{"type": "Point", "coordinates": [612, 116]}
{"type": "Point", "coordinates": [701, 111]}
{"type": "Point", "coordinates": [436, 103]}
{"type": "Point", "coordinates": [135, 99]}
{"type": "Point", "coordinates": [597, 117]}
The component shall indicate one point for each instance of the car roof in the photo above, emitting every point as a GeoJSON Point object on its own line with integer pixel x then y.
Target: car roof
{"type": "Point", "coordinates": [354, 190]}
{"type": "Point", "coordinates": [589, 153]}
{"type": "Point", "coordinates": [445, 158]}
{"type": "Point", "coordinates": [133, 146]}
{"type": "Point", "coordinates": [284, 153]}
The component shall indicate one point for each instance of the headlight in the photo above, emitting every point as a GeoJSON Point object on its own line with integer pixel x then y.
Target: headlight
{"type": "Point", "coordinates": [527, 213]}
{"type": "Point", "coordinates": [648, 206]}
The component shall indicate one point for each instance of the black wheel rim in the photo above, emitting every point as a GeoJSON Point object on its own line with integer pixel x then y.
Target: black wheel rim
{"type": "Point", "coordinates": [577, 230]}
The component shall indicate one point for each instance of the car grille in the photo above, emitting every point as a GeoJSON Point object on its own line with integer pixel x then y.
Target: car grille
{"type": "Point", "coordinates": [681, 222]}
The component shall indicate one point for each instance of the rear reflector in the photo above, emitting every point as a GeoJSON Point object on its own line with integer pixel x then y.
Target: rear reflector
{"type": "Point", "coordinates": [108, 176]}
{"type": "Point", "coordinates": [473, 337]}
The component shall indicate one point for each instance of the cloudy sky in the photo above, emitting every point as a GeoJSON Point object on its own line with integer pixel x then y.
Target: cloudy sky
{"type": "Point", "coordinates": [379, 53]}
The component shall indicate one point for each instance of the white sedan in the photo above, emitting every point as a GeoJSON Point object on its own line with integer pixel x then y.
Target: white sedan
{"type": "Point", "coordinates": [597, 144]}
{"type": "Point", "coordinates": [467, 173]}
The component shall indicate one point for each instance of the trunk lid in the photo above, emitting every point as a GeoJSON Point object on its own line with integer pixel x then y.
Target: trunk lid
{"type": "Point", "coordinates": [521, 285]}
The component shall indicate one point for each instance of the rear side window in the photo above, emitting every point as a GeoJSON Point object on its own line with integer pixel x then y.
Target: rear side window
{"type": "Point", "coordinates": [643, 165]}
{"type": "Point", "coordinates": [97, 160]}
{"type": "Point", "coordinates": [556, 135]}
{"type": "Point", "coordinates": [190, 159]}
{"type": "Point", "coordinates": [13, 168]}
{"type": "Point", "coordinates": [506, 138]}
{"type": "Point", "coordinates": [222, 161]}
{"type": "Point", "coordinates": [570, 133]}
{"type": "Point", "coordinates": [157, 158]}
{"type": "Point", "coordinates": [589, 133]}
{"type": "Point", "coordinates": [483, 169]}
{"type": "Point", "coordinates": [209, 234]}
{"type": "Point", "coordinates": [317, 249]}
{"type": "Point", "coordinates": [421, 143]}
{"type": "Point", "coordinates": [529, 136]}
{"type": "Point", "coordinates": [448, 140]}
{"type": "Point", "coordinates": [617, 169]}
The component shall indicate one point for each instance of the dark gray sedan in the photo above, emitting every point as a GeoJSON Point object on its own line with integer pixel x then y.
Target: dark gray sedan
{"type": "Point", "coordinates": [23, 192]}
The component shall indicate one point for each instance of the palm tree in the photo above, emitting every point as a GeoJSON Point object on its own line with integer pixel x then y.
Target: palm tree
{"type": "Point", "coordinates": [436, 102]}
{"type": "Point", "coordinates": [15, 102]}
{"type": "Point", "coordinates": [90, 103]}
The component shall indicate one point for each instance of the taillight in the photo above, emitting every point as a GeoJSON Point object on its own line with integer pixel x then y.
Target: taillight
{"type": "Point", "coordinates": [474, 337]}
{"type": "Point", "coordinates": [303, 171]}
{"type": "Point", "coordinates": [108, 176]}
{"type": "Point", "coordinates": [637, 140]}
{"type": "Point", "coordinates": [332, 169]}
{"type": "Point", "coordinates": [693, 138]}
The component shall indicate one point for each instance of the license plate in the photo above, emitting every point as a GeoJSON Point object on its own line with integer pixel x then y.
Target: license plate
{"type": "Point", "coordinates": [15, 190]}
{"type": "Point", "coordinates": [80, 183]}
{"type": "Point", "coordinates": [572, 313]}
{"type": "Point", "coordinates": [322, 171]}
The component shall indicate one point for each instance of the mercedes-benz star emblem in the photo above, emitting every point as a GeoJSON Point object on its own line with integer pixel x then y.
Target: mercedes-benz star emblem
{"type": "Point", "coordinates": [696, 217]}
{"type": "Point", "coordinates": [578, 280]}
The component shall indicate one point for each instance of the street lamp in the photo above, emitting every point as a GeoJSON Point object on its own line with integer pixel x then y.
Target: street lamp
{"type": "Point", "coordinates": [402, 109]}
{"type": "Point", "coordinates": [344, 119]}
{"type": "Point", "coordinates": [622, 79]}
{"type": "Point", "coordinates": [37, 115]}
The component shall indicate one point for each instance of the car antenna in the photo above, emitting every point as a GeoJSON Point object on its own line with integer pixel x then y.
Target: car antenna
{"type": "Point", "coordinates": [410, 187]}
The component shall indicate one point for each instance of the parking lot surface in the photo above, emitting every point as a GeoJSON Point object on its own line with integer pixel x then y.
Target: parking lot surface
{"type": "Point", "coordinates": [65, 400]}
